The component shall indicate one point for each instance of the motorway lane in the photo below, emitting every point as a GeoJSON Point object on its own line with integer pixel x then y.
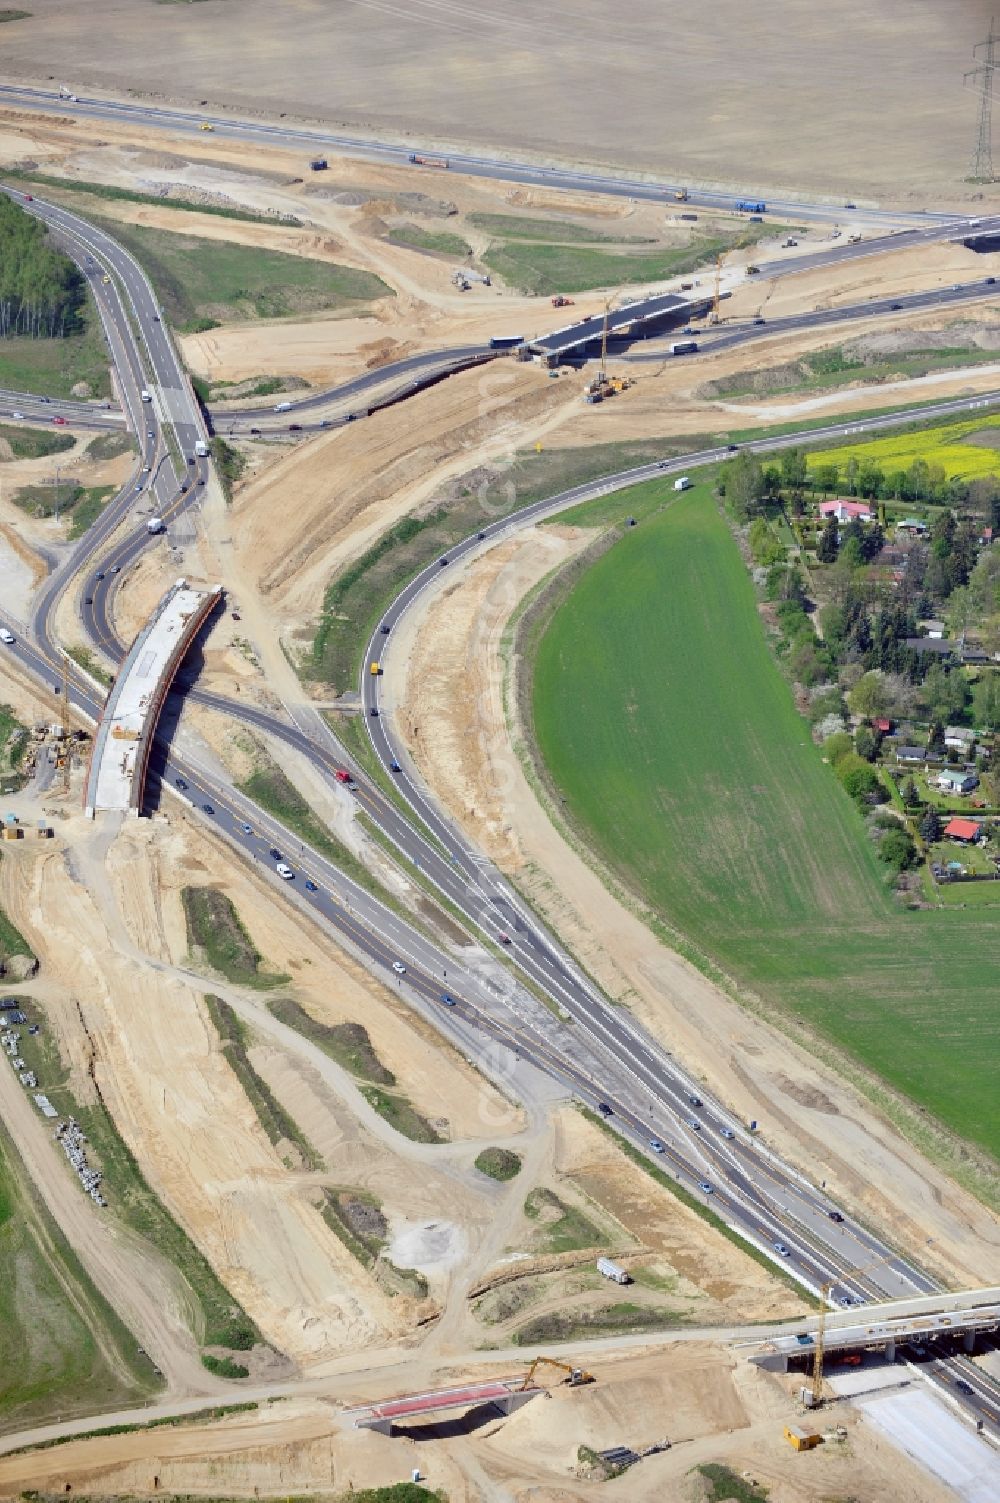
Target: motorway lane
{"type": "Point", "coordinates": [714, 337]}
{"type": "Point", "coordinates": [469, 164]}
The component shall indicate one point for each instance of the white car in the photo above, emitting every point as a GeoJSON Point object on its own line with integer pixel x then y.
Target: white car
{"type": "Point", "coordinates": [284, 870]}
{"type": "Point", "coordinates": [18, 415]}
{"type": "Point", "coordinates": [399, 967]}
{"type": "Point", "coordinates": [6, 636]}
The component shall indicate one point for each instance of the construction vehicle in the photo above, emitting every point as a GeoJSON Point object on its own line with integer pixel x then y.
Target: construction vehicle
{"type": "Point", "coordinates": [750, 206]}
{"type": "Point", "coordinates": [562, 302]}
{"type": "Point", "coordinates": [422, 161]}
{"type": "Point", "coordinates": [205, 126]}
{"type": "Point", "coordinates": [318, 164]}
{"type": "Point", "coordinates": [576, 1377]}
{"type": "Point", "coordinates": [819, 1349]}
{"type": "Point", "coordinates": [753, 271]}
{"type": "Point", "coordinates": [681, 196]}
{"type": "Point", "coordinates": [460, 280]}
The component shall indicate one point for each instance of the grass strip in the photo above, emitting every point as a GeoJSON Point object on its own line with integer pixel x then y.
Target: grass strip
{"type": "Point", "coordinates": [229, 465]}
{"type": "Point", "coordinates": [727, 1487]}
{"type": "Point", "coordinates": [401, 1114]}
{"type": "Point", "coordinates": [350, 731]}
{"type": "Point", "coordinates": [277, 1123]}
{"type": "Point", "coordinates": [163, 1421]}
{"type": "Point", "coordinates": [610, 1320]}
{"type": "Point", "coordinates": [132, 196]}
{"type": "Point", "coordinates": [34, 443]}
{"type": "Point", "coordinates": [224, 1367]}
{"type": "Point", "coordinates": [693, 1204]}
{"type": "Point", "coordinates": [347, 1044]}
{"type": "Point", "coordinates": [215, 928]}
{"type": "Point", "coordinates": [12, 941]}
{"type": "Point", "coordinates": [111, 446]}
{"type": "Point", "coordinates": [440, 241]}
{"type": "Point", "coordinates": [85, 659]}
{"type": "Point", "coordinates": [562, 1228]}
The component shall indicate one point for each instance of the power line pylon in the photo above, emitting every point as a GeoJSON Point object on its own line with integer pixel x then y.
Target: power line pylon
{"type": "Point", "coordinates": [981, 79]}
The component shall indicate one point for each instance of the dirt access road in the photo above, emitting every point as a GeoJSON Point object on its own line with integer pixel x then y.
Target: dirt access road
{"type": "Point", "coordinates": [847, 101]}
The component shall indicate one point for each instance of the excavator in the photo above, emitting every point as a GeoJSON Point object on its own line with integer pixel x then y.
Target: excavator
{"type": "Point", "coordinates": [576, 1377]}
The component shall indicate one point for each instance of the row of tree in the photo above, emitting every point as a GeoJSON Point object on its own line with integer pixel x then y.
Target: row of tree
{"type": "Point", "coordinates": [750, 486]}
{"type": "Point", "coordinates": [42, 294]}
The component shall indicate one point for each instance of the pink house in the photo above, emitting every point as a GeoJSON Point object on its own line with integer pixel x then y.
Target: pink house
{"type": "Point", "coordinates": [846, 511]}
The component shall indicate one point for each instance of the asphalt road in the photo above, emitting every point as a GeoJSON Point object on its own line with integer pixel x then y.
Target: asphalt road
{"type": "Point", "coordinates": [610, 1059]}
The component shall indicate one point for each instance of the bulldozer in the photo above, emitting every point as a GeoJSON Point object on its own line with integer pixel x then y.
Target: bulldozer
{"type": "Point", "coordinates": [576, 1377]}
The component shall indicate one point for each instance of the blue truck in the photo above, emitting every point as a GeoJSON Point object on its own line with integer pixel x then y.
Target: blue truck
{"type": "Point", "coordinates": [750, 206]}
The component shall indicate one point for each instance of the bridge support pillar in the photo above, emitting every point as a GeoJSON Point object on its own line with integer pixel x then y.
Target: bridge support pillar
{"type": "Point", "coordinates": [517, 1399]}
{"type": "Point", "coordinates": [890, 1351]}
{"type": "Point", "coordinates": [968, 1341]}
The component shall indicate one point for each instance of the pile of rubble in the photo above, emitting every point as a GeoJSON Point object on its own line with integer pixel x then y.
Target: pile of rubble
{"type": "Point", "coordinates": [11, 1041]}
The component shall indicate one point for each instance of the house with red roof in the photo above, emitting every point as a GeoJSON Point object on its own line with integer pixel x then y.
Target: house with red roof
{"type": "Point", "coordinates": [846, 511]}
{"type": "Point", "coordinates": [963, 830]}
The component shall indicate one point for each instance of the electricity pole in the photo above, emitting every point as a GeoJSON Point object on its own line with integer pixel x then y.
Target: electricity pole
{"type": "Point", "coordinates": [981, 79]}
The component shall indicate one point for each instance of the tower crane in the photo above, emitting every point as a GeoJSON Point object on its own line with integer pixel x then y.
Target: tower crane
{"type": "Point", "coordinates": [819, 1350]}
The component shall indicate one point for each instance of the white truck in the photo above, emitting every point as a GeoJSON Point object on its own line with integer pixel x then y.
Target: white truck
{"type": "Point", "coordinates": [200, 447]}
{"type": "Point", "coordinates": [147, 396]}
{"type": "Point", "coordinates": [155, 524]}
{"type": "Point", "coordinates": [612, 1271]}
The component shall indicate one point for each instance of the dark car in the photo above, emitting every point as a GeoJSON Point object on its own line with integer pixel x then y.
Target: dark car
{"type": "Point", "coordinates": [895, 307]}
{"type": "Point", "coordinates": [759, 320]}
{"type": "Point", "coordinates": [835, 1216]}
{"type": "Point", "coordinates": [100, 574]}
{"type": "Point", "coordinates": [395, 765]}
{"type": "Point", "coordinates": [208, 808]}
{"type": "Point", "coordinates": [180, 783]}
{"type": "Point", "coordinates": [990, 281]}
{"type": "Point", "coordinates": [448, 1001]}
{"type": "Point", "coordinates": [255, 430]}
{"type": "Point", "coordinates": [695, 1101]}
{"type": "Point", "coordinates": [731, 448]}
{"type": "Point", "coordinates": [190, 459]}
{"type": "Point", "coordinates": [694, 1124]}
{"type": "Point", "coordinates": [604, 1109]}
{"type": "Point", "coordinates": [385, 628]}
{"type": "Point", "coordinates": [295, 427]}
{"type": "Point", "coordinates": [311, 887]}
{"type": "Point", "coordinates": [373, 710]}
{"type": "Point", "coordinates": [88, 600]}
{"type": "Point", "coordinates": [275, 854]}
{"type": "Point", "coordinates": [964, 1387]}
{"type": "Point", "coordinates": [442, 562]}
{"type": "Point", "coordinates": [850, 206]}
{"type": "Point", "coordinates": [480, 536]}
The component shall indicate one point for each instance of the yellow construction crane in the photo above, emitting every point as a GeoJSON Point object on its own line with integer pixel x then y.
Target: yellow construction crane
{"type": "Point", "coordinates": [820, 1348]}
{"type": "Point", "coordinates": [576, 1376]}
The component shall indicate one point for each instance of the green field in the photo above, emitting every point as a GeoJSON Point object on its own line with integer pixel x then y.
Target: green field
{"type": "Point", "coordinates": [947, 445]}
{"type": "Point", "coordinates": [442, 242]}
{"type": "Point", "coordinates": [52, 367]}
{"type": "Point", "coordinates": [62, 1349]}
{"type": "Point", "coordinates": [215, 929]}
{"type": "Point", "coordinates": [35, 443]}
{"type": "Point", "coordinates": [206, 282]}
{"type": "Point", "coordinates": [837, 366]}
{"type": "Point", "coordinates": [698, 783]}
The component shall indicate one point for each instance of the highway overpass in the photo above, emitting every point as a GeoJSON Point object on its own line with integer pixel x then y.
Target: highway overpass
{"type": "Point", "coordinates": [119, 759]}
{"type": "Point", "coordinates": [638, 319]}
{"type": "Point", "coordinates": [884, 1327]}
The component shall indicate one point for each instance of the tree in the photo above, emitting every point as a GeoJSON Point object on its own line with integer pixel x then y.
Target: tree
{"type": "Point", "coordinates": [860, 780]}
{"type": "Point", "coordinates": [826, 479]}
{"type": "Point", "coordinates": [910, 794]}
{"type": "Point", "coordinates": [837, 747]}
{"type": "Point", "coordinates": [930, 826]}
{"type": "Point", "coordinates": [741, 481]}
{"type": "Point", "coordinates": [793, 469]}
{"type": "Point", "coordinates": [935, 738]}
{"type": "Point", "coordinates": [868, 698]}
{"type": "Point", "coordinates": [897, 850]}
{"type": "Point", "coordinates": [828, 546]}
{"type": "Point", "coordinates": [42, 294]}
{"type": "Point", "coordinates": [986, 702]}
{"type": "Point", "coordinates": [867, 742]}
{"type": "Point", "coordinates": [943, 694]}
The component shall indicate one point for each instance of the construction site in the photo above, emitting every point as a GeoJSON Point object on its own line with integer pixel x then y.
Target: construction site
{"type": "Point", "coordinates": [361, 1133]}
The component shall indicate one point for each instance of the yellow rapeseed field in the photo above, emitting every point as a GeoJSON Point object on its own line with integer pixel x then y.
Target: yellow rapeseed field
{"type": "Point", "coordinates": [948, 447]}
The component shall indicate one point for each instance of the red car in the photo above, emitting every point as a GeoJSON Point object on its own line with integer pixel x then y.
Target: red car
{"type": "Point", "coordinates": [60, 420]}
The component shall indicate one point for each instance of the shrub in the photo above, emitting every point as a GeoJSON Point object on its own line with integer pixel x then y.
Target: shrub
{"type": "Point", "coordinates": [837, 747]}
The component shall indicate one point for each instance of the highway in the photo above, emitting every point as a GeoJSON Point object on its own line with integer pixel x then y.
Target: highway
{"type": "Point", "coordinates": [311, 140]}
{"type": "Point", "coordinates": [605, 1057]}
